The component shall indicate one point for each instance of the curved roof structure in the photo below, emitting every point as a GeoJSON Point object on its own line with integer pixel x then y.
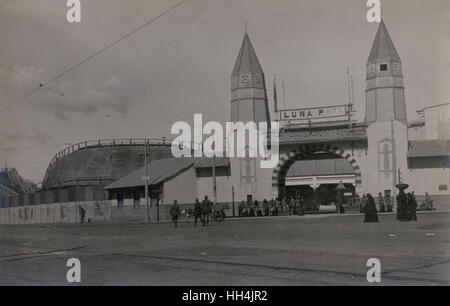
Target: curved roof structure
{"type": "Point", "coordinates": [101, 162]}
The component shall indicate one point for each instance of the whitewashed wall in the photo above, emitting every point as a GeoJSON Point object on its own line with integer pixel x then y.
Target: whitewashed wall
{"type": "Point", "coordinates": [97, 211]}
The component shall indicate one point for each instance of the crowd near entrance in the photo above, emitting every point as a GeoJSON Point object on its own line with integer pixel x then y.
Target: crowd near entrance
{"type": "Point", "coordinates": [322, 181]}
{"type": "Point", "coordinates": [324, 195]}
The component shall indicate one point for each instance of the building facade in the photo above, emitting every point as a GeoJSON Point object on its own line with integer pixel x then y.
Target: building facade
{"type": "Point", "coordinates": [378, 153]}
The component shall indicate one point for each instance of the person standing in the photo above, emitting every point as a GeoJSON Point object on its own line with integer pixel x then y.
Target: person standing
{"type": "Point", "coordinates": [388, 203]}
{"type": "Point", "coordinates": [82, 213]}
{"type": "Point", "coordinates": [381, 203]}
{"type": "Point", "coordinates": [241, 209]}
{"type": "Point", "coordinates": [401, 205]}
{"type": "Point", "coordinates": [290, 203]}
{"type": "Point", "coordinates": [197, 211]}
{"type": "Point", "coordinates": [370, 210]}
{"type": "Point", "coordinates": [258, 209]}
{"type": "Point", "coordinates": [175, 212]}
{"type": "Point", "coordinates": [301, 206]}
{"type": "Point", "coordinates": [411, 207]}
{"type": "Point", "coordinates": [428, 202]}
{"type": "Point", "coordinates": [206, 211]}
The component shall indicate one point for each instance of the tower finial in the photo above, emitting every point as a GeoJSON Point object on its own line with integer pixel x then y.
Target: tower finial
{"type": "Point", "coordinates": [246, 26]}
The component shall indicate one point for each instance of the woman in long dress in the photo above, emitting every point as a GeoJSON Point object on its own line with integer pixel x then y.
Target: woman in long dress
{"type": "Point", "coordinates": [370, 210]}
{"type": "Point", "coordinates": [401, 206]}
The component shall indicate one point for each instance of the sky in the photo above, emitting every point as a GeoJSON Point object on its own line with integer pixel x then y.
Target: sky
{"type": "Point", "coordinates": [181, 64]}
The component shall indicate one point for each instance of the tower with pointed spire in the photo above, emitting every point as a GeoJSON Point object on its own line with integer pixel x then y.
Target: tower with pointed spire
{"type": "Point", "coordinates": [387, 134]}
{"type": "Point", "coordinates": [248, 87]}
{"type": "Point", "coordinates": [385, 93]}
{"type": "Point", "coordinates": [249, 104]}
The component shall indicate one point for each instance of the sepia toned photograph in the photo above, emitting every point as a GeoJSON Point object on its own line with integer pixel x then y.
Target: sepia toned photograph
{"type": "Point", "coordinates": [224, 143]}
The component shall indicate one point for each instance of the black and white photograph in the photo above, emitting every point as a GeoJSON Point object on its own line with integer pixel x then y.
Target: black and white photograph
{"type": "Point", "coordinates": [224, 147]}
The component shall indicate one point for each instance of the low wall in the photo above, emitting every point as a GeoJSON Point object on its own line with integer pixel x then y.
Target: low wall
{"type": "Point", "coordinates": [96, 211]}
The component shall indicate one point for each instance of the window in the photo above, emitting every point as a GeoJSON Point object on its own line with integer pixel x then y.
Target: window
{"type": "Point", "coordinates": [383, 67]}
{"type": "Point", "coordinates": [443, 187]}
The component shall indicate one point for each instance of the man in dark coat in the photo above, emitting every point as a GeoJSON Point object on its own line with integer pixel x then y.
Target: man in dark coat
{"type": "Point", "coordinates": [175, 212]}
{"type": "Point", "coordinates": [401, 205]}
{"type": "Point", "coordinates": [197, 211]}
{"type": "Point", "coordinates": [411, 208]}
{"type": "Point", "coordinates": [206, 210]}
{"type": "Point", "coordinates": [370, 210]}
{"type": "Point", "coordinates": [82, 213]}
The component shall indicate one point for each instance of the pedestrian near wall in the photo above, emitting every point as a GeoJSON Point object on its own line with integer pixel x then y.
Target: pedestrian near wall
{"type": "Point", "coordinates": [197, 211]}
{"type": "Point", "coordinates": [206, 211]}
{"type": "Point", "coordinates": [381, 202]}
{"type": "Point", "coordinates": [175, 212]}
{"type": "Point", "coordinates": [82, 213]}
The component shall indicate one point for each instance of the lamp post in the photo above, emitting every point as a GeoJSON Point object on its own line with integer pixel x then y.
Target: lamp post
{"type": "Point", "coordinates": [146, 178]}
{"type": "Point", "coordinates": [214, 177]}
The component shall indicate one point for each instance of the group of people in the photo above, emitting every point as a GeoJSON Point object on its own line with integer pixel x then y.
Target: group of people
{"type": "Point", "coordinates": [406, 210]}
{"type": "Point", "coordinates": [286, 206]}
{"type": "Point", "coordinates": [383, 206]}
{"type": "Point", "coordinates": [406, 207]}
{"type": "Point", "coordinates": [202, 211]}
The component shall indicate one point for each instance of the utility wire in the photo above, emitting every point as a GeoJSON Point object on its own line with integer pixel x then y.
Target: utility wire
{"type": "Point", "coordinates": [117, 41]}
{"type": "Point", "coordinates": [92, 56]}
{"type": "Point", "coordinates": [19, 99]}
{"type": "Point", "coordinates": [72, 99]}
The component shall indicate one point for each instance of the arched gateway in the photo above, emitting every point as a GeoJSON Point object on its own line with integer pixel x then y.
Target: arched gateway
{"type": "Point", "coordinates": [304, 151]}
{"type": "Point", "coordinates": [374, 148]}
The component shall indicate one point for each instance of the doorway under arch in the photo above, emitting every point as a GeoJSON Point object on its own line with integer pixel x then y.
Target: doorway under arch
{"type": "Point", "coordinates": [309, 151]}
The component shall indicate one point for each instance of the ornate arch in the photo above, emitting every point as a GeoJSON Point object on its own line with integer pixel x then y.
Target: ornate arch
{"type": "Point", "coordinates": [287, 160]}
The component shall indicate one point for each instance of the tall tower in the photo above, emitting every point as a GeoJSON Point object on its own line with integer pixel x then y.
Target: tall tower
{"type": "Point", "coordinates": [386, 116]}
{"type": "Point", "coordinates": [248, 87]}
{"type": "Point", "coordinates": [385, 94]}
{"type": "Point", "coordinates": [249, 104]}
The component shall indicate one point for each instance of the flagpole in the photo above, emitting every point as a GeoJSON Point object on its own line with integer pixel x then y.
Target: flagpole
{"type": "Point", "coordinates": [214, 179]}
{"type": "Point", "coordinates": [146, 183]}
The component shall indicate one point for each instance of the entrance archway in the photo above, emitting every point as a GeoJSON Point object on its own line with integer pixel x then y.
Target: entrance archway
{"type": "Point", "coordinates": [304, 151]}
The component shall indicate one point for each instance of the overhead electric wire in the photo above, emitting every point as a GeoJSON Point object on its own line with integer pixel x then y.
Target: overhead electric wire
{"type": "Point", "coordinates": [19, 99]}
{"type": "Point", "coordinates": [92, 56]}
{"type": "Point", "coordinates": [72, 99]}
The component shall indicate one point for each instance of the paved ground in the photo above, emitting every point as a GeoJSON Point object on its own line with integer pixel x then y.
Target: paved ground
{"type": "Point", "coordinates": [310, 250]}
